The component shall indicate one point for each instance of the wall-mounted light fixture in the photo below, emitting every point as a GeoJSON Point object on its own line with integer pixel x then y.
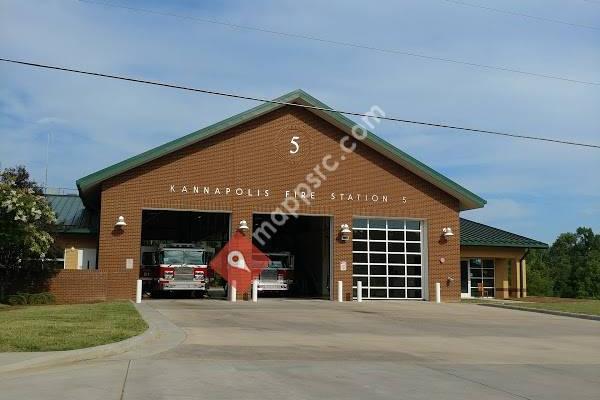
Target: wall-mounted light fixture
{"type": "Point", "coordinates": [120, 222]}
{"type": "Point", "coordinates": [447, 232]}
{"type": "Point", "coordinates": [345, 232]}
{"type": "Point", "coordinates": [243, 226]}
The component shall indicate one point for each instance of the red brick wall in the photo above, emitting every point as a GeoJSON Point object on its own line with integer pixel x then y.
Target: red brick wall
{"type": "Point", "coordinates": [79, 286]}
{"type": "Point", "coordinates": [256, 155]}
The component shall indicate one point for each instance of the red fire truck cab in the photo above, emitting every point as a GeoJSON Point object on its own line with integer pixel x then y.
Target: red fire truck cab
{"type": "Point", "coordinates": [176, 266]}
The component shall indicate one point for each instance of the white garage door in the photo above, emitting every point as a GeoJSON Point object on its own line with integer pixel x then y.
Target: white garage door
{"type": "Point", "coordinates": [387, 257]}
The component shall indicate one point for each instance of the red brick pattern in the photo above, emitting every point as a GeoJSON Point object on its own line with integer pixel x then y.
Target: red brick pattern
{"type": "Point", "coordinates": [256, 155]}
{"type": "Point", "coordinates": [79, 286]}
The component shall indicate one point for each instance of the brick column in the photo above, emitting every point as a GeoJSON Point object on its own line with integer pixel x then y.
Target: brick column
{"type": "Point", "coordinates": [342, 252]}
{"type": "Point", "coordinates": [501, 278]}
{"type": "Point", "coordinates": [237, 216]}
{"type": "Point", "coordinates": [118, 245]}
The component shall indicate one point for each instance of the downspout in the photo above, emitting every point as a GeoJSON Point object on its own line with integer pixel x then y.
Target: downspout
{"type": "Point", "coordinates": [524, 255]}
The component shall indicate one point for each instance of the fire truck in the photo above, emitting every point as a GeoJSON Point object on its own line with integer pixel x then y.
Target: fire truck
{"type": "Point", "coordinates": [176, 266]}
{"type": "Point", "coordinates": [278, 276]}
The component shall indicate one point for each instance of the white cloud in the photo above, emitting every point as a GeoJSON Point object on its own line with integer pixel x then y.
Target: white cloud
{"type": "Point", "coordinates": [51, 120]}
{"type": "Point", "coordinates": [500, 210]}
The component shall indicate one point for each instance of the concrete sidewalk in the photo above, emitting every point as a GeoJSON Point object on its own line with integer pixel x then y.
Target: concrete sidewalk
{"type": "Point", "coordinates": [161, 335]}
{"type": "Point", "coordinates": [522, 306]}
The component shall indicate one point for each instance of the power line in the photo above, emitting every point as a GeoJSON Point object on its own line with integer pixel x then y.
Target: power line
{"type": "Point", "coordinates": [347, 44]}
{"type": "Point", "coordinates": [518, 14]}
{"type": "Point", "coordinates": [258, 99]}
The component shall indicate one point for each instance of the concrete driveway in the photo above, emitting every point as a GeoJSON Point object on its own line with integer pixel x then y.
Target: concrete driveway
{"type": "Point", "coordinates": [302, 349]}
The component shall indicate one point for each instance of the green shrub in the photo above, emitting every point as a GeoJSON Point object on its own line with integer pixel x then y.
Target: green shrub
{"type": "Point", "coordinates": [37, 298]}
{"type": "Point", "coordinates": [49, 298]}
{"type": "Point", "coordinates": [17, 299]}
{"type": "Point", "coordinates": [22, 299]}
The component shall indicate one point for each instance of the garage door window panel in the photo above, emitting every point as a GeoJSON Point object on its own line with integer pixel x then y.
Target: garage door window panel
{"type": "Point", "coordinates": [398, 293]}
{"type": "Point", "coordinates": [360, 257]}
{"type": "Point", "coordinates": [359, 234]}
{"type": "Point", "coordinates": [377, 235]}
{"type": "Point", "coordinates": [413, 248]}
{"type": "Point", "coordinates": [397, 270]}
{"type": "Point", "coordinates": [396, 236]}
{"type": "Point", "coordinates": [361, 269]}
{"type": "Point", "coordinates": [377, 258]}
{"type": "Point", "coordinates": [396, 281]}
{"type": "Point", "coordinates": [378, 293]}
{"type": "Point", "coordinates": [377, 247]}
{"type": "Point", "coordinates": [377, 270]}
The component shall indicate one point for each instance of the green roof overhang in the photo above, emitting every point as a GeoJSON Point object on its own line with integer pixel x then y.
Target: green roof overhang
{"type": "Point", "coordinates": [89, 186]}
{"type": "Point", "coordinates": [477, 234]}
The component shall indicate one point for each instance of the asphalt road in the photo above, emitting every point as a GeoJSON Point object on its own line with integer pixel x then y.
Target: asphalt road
{"type": "Point", "coordinates": [302, 349]}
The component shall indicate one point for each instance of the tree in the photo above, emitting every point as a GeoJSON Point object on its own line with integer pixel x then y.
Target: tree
{"type": "Point", "coordinates": [586, 265]}
{"type": "Point", "coordinates": [539, 279]}
{"type": "Point", "coordinates": [560, 260]}
{"type": "Point", "coordinates": [26, 220]}
{"type": "Point", "coordinates": [569, 268]}
{"type": "Point", "coordinates": [20, 177]}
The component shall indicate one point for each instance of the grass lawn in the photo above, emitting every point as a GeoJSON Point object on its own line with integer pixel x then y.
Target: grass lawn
{"type": "Point", "coordinates": [67, 327]}
{"type": "Point", "coordinates": [581, 306]}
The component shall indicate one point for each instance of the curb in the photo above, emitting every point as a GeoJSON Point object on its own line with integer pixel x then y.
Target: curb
{"type": "Point", "coordinates": [161, 334]}
{"type": "Point", "coordinates": [542, 311]}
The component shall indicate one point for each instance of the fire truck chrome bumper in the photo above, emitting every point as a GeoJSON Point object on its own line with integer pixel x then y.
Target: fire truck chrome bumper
{"type": "Point", "coordinates": [265, 287]}
{"type": "Point", "coordinates": [183, 286]}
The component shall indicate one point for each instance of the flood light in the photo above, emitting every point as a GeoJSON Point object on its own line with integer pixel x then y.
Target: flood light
{"type": "Point", "coordinates": [345, 232]}
{"type": "Point", "coordinates": [243, 226]}
{"type": "Point", "coordinates": [120, 222]}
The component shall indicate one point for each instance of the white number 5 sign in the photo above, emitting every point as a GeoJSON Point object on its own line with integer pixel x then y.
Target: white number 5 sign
{"type": "Point", "coordinates": [294, 143]}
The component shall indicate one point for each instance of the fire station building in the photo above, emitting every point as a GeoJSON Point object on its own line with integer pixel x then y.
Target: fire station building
{"type": "Point", "coordinates": [343, 203]}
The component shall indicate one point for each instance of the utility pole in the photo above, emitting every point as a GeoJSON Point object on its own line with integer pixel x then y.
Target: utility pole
{"type": "Point", "coordinates": [47, 159]}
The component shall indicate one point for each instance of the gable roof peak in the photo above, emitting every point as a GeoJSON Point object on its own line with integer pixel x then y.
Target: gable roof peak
{"type": "Point", "coordinates": [89, 186]}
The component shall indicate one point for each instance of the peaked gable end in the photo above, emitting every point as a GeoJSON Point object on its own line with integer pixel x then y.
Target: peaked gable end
{"type": "Point", "coordinates": [89, 186]}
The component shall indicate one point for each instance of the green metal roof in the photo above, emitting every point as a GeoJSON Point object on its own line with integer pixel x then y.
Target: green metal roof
{"type": "Point", "coordinates": [89, 186]}
{"type": "Point", "coordinates": [72, 215]}
{"type": "Point", "coordinates": [475, 234]}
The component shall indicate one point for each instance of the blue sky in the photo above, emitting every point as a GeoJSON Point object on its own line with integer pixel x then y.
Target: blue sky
{"type": "Point", "coordinates": [535, 189]}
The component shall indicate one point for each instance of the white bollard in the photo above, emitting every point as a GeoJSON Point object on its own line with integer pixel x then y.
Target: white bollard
{"type": "Point", "coordinates": [340, 292]}
{"type": "Point", "coordinates": [255, 290]}
{"type": "Point", "coordinates": [138, 291]}
{"type": "Point", "coordinates": [359, 291]}
{"type": "Point", "coordinates": [233, 292]}
{"type": "Point", "coordinates": [438, 290]}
